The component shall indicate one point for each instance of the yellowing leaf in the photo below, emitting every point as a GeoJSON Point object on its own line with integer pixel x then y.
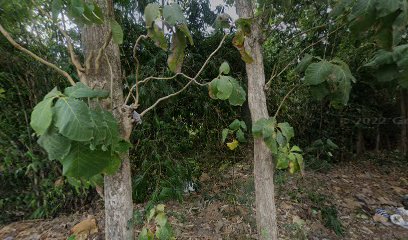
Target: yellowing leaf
{"type": "Point", "coordinates": [232, 145]}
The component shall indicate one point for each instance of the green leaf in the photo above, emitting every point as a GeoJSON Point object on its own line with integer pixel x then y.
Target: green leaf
{"type": "Point", "coordinates": [258, 126]}
{"type": "Point", "coordinates": [80, 90]}
{"type": "Point", "coordinates": [385, 8]}
{"type": "Point", "coordinates": [363, 15]}
{"type": "Point", "coordinates": [161, 219]}
{"type": "Point", "coordinates": [146, 234]}
{"type": "Point", "coordinates": [157, 35]}
{"type": "Point", "coordinates": [238, 42]}
{"type": "Point", "coordinates": [282, 161]}
{"type": "Point", "coordinates": [222, 21]}
{"type": "Point", "coordinates": [240, 136]}
{"type": "Point", "coordinates": [232, 145]}
{"type": "Point", "coordinates": [286, 130]}
{"type": "Point", "coordinates": [41, 116]}
{"type": "Point", "coordinates": [93, 13]}
{"type": "Point", "coordinates": [381, 57]}
{"type": "Point", "coordinates": [81, 162]}
{"type": "Point", "coordinates": [151, 13]}
{"type": "Point", "coordinates": [160, 207]}
{"type": "Point", "coordinates": [73, 120]}
{"type": "Point", "coordinates": [224, 87]}
{"type": "Point", "coordinates": [224, 68]}
{"type": "Point", "coordinates": [331, 144]}
{"type": "Point", "coordinates": [304, 63]}
{"type": "Point", "coordinates": [164, 232]}
{"type": "Point", "coordinates": [112, 129]}
{"type": "Point", "coordinates": [271, 144]}
{"type": "Point", "coordinates": [238, 94]}
{"type": "Point", "coordinates": [53, 93]}
{"type": "Point", "coordinates": [243, 125]}
{"type": "Point", "coordinates": [317, 73]}
{"type": "Point", "coordinates": [117, 32]}
{"type": "Point", "coordinates": [56, 145]}
{"type": "Point", "coordinates": [319, 91]}
{"type": "Point", "coordinates": [113, 165]}
{"type": "Point", "coordinates": [183, 27]}
{"type": "Point", "coordinates": [235, 125]}
{"type": "Point", "coordinates": [123, 146]}
{"type": "Point", "coordinates": [212, 88]}
{"type": "Point", "coordinates": [173, 14]}
{"type": "Point", "coordinates": [56, 7]}
{"type": "Point", "coordinates": [224, 134]}
{"type": "Point", "coordinates": [244, 24]}
{"type": "Point", "coordinates": [387, 73]}
{"type": "Point", "coordinates": [178, 45]}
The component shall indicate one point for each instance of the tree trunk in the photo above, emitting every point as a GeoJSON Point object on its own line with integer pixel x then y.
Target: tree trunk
{"type": "Point", "coordinates": [117, 187]}
{"type": "Point", "coordinates": [263, 166]}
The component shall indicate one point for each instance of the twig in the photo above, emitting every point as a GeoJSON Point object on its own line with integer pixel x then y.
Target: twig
{"type": "Point", "coordinates": [137, 68]}
{"type": "Point", "coordinates": [283, 100]}
{"type": "Point", "coordinates": [267, 85]}
{"type": "Point", "coordinates": [98, 57]}
{"type": "Point", "coordinates": [33, 55]}
{"type": "Point", "coordinates": [189, 83]}
{"type": "Point", "coordinates": [80, 69]}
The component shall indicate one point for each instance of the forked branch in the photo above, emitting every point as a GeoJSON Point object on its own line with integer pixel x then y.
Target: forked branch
{"type": "Point", "coordinates": [192, 80]}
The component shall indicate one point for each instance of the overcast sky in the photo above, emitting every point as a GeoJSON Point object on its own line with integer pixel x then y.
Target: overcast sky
{"type": "Point", "coordinates": [229, 10]}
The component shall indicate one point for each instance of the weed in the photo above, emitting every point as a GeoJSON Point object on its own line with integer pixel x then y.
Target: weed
{"type": "Point", "coordinates": [331, 220]}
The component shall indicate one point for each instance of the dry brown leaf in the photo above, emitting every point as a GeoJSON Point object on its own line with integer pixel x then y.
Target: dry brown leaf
{"type": "Point", "coordinates": [87, 226]}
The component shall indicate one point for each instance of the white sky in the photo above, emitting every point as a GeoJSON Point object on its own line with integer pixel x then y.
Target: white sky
{"type": "Point", "coordinates": [229, 10]}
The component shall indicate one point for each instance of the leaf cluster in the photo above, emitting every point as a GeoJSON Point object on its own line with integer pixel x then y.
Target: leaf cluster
{"type": "Point", "coordinates": [84, 139]}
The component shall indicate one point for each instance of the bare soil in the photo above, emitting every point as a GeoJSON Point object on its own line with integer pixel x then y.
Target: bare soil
{"type": "Point", "coordinates": [314, 206]}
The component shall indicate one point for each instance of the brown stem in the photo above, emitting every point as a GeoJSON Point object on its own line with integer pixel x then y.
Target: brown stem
{"type": "Point", "coordinates": [33, 55]}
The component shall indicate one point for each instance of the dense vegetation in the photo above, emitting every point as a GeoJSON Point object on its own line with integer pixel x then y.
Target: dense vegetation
{"type": "Point", "coordinates": [181, 137]}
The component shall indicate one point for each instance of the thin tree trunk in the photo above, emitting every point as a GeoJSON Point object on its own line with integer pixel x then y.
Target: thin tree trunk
{"type": "Point", "coordinates": [117, 187]}
{"type": "Point", "coordinates": [263, 166]}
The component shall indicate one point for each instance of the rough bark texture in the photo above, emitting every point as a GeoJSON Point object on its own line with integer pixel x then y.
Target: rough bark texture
{"type": "Point", "coordinates": [263, 165]}
{"type": "Point", "coordinates": [117, 188]}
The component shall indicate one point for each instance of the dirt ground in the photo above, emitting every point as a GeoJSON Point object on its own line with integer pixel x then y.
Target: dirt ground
{"type": "Point", "coordinates": [314, 206]}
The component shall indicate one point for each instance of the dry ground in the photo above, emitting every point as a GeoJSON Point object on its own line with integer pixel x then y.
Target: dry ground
{"type": "Point", "coordinates": [309, 207]}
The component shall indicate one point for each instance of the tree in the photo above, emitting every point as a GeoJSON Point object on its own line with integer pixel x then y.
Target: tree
{"type": "Point", "coordinates": [104, 72]}
{"type": "Point", "coordinates": [263, 165]}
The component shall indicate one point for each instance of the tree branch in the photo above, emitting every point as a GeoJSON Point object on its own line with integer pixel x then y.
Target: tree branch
{"type": "Point", "coordinates": [283, 100]}
{"type": "Point", "coordinates": [74, 59]}
{"type": "Point", "coordinates": [33, 55]}
{"type": "Point", "coordinates": [192, 80]}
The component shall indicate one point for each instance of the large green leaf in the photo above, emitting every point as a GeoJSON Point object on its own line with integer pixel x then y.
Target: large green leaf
{"type": "Point", "coordinates": [183, 27]}
{"type": "Point", "coordinates": [56, 145]}
{"type": "Point", "coordinates": [381, 57]}
{"type": "Point", "coordinates": [81, 162]}
{"type": "Point", "coordinates": [363, 15]}
{"type": "Point", "coordinates": [387, 7]}
{"type": "Point", "coordinates": [41, 116]}
{"type": "Point", "coordinates": [80, 90]}
{"type": "Point", "coordinates": [224, 87]}
{"type": "Point", "coordinates": [238, 94]}
{"type": "Point", "coordinates": [157, 35]}
{"type": "Point", "coordinates": [287, 130]}
{"type": "Point", "coordinates": [117, 32]}
{"type": "Point", "coordinates": [56, 7]}
{"type": "Point", "coordinates": [178, 45]}
{"type": "Point", "coordinates": [173, 14]}
{"type": "Point", "coordinates": [318, 73]}
{"type": "Point", "coordinates": [304, 63]}
{"type": "Point", "coordinates": [151, 13]}
{"type": "Point", "coordinates": [73, 120]}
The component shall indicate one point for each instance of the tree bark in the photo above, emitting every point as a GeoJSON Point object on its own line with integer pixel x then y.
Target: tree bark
{"type": "Point", "coordinates": [263, 165]}
{"type": "Point", "coordinates": [117, 187]}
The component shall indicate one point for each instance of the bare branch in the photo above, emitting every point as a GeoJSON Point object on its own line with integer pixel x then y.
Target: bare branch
{"type": "Point", "coordinates": [106, 43]}
{"type": "Point", "coordinates": [33, 55]}
{"type": "Point", "coordinates": [137, 68]}
{"type": "Point", "coordinates": [192, 80]}
{"type": "Point", "coordinates": [283, 100]}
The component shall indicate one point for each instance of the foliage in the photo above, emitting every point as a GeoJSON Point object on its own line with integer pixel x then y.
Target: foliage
{"type": "Point", "coordinates": [226, 87]}
{"type": "Point", "coordinates": [85, 140]}
{"type": "Point", "coordinates": [157, 225]}
{"type": "Point", "coordinates": [237, 131]}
